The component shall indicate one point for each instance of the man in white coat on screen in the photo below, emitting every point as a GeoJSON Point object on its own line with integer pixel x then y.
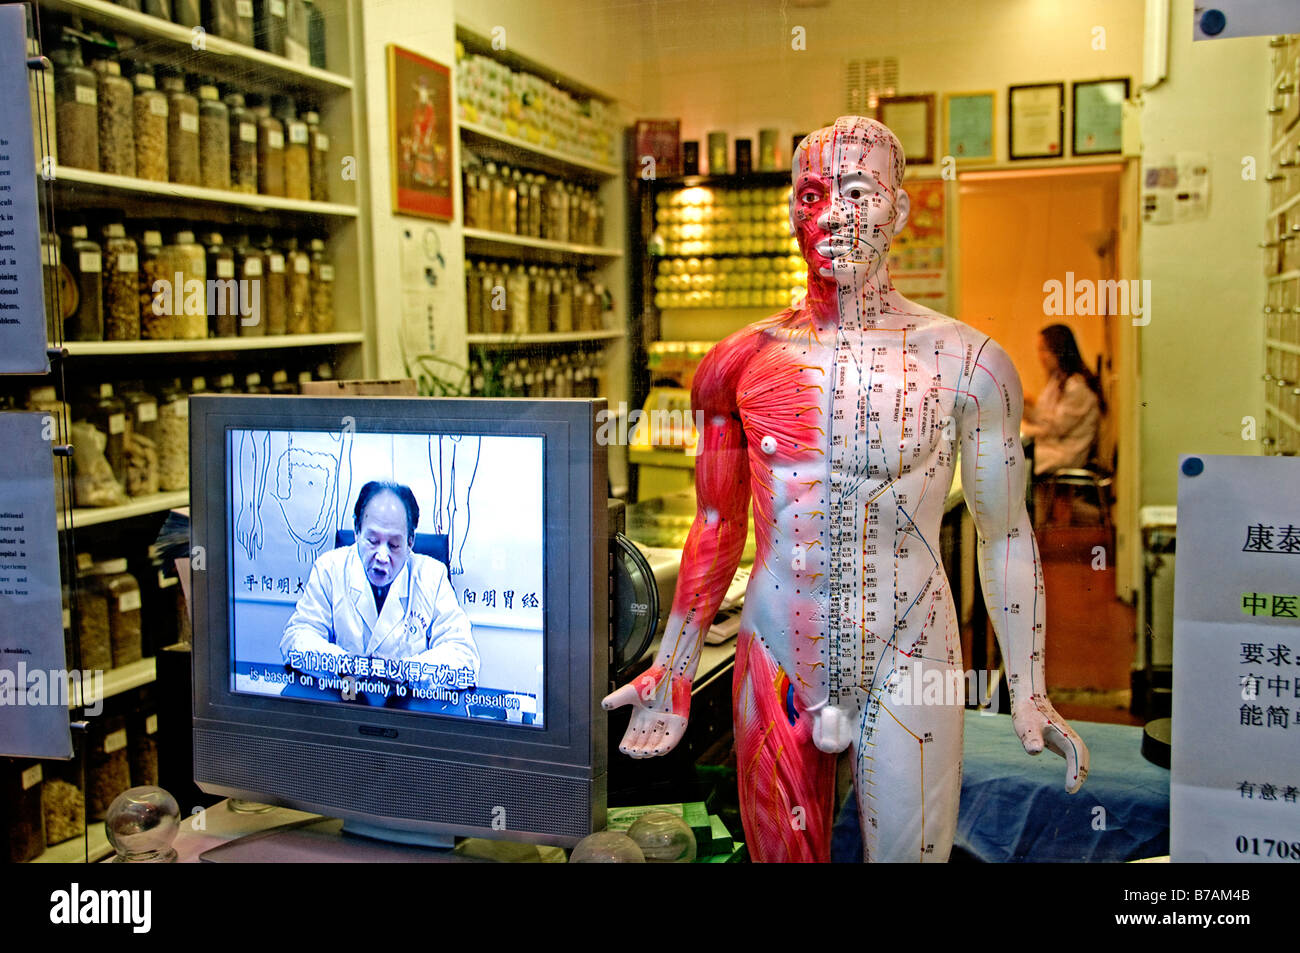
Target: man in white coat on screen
{"type": "Point", "coordinates": [376, 616]}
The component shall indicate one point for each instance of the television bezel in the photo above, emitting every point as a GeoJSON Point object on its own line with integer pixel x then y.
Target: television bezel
{"type": "Point", "coordinates": [571, 743]}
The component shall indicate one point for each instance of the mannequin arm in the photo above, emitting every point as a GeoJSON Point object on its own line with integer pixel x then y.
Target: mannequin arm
{"type": "Point", "coordinates": [662, 694]}
{"type": "Point", "coordinates": [993, 475]}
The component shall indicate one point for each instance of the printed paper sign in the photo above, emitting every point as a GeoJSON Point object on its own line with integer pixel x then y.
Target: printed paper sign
{"type": "Point", "coordinates": [1235, 791]}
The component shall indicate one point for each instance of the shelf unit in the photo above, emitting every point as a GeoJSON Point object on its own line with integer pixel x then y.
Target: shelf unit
{"type": "Point", "coordinates": [127, 35]}
{"type": "Point", "coordinates": [1282, 254]}
{"type": "Point", "coordinates": [605, 262]}
{"type": "Point", "coordinates": [666, 470]}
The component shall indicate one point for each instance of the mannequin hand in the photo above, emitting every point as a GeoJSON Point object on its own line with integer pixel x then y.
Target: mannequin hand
{"type": "Point", "coordinates": [658, 716]}
{"type": "Point", "coordinates": [1038, 725]}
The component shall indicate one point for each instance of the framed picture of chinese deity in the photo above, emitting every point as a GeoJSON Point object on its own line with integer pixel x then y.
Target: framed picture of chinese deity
{"type": "Point", "coordinates": [419, 134]}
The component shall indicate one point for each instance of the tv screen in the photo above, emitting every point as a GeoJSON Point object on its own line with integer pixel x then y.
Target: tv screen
{"type": "Point", "coordinates": [395, 570]}
{"type": "Point", "coordinates": [401, 611]}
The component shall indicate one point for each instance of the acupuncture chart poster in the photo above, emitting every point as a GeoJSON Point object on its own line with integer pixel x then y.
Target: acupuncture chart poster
{"type": "Point", "coordinates": [1235, 790]}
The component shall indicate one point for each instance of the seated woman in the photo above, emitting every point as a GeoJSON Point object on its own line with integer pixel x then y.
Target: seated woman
{"type": "Point", "coordinates": [1064, 419]}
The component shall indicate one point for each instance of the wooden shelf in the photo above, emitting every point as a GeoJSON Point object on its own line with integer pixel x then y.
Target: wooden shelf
{"type": "Point", "coordinates": [1281, 414]}
{"type": "Point", "coordinates": [498, 145]}
{"type": "Point", "coordinates": [550, 337]}
{"type": "Point", "coordinates": [123, 187]}
{"type": "Point", "coordinates": [480, 241]}
{"type": "Point", "coordinates": [250, 68]}
{"type": "Point", "coordinates": [73, 851]}
{"type": "Point", "coordinates": [140, 506]}
{"type": "Point", "coordinates": [117, 681]}
{"type": "Point", "coordinates": [210, 345]}
{"type": "Point", "coordinates": [1282, 346]}
{"type": "Point", "coordinates": [753, 180]}
{"type": "Point", "coordinates": [1285, 206]}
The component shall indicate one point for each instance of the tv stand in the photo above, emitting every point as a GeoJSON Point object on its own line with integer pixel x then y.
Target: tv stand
{"type": "Point", "coordinates": [282, 835]}
{"type": "Point", "coordinates": [328, 840]}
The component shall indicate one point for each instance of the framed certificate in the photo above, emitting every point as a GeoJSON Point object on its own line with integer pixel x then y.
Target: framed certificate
{"type": "Point", "coordinates": [1098, 116]}
{"type": "Point", "coordinates": [968, 126]}
{"type": "Point", "coordinates": [911, 118]}
{"type": "Point", "coordinates": [1036, 126]}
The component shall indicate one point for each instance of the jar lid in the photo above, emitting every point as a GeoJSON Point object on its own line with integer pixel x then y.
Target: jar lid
{"type": "Point", "coordinates": [85, 562]}
{"type": "Point", "coordinates": [311, 117]}
{"type": "Point", "coordinates": [174, 84]}
{"type": "Point", "coordinates": [152, 237]}
{"type": "Point", "coordinates": [226, 380]}
{"type": "Point", "coordinates": [105, 390]}
{"type": "Point", "coordinates": [280, 377]}
{"type": "Point", "coordinates": [304, 377]}
{"type": "Point", "coordinates": [42, 394]}
{"type": "Point", "coordinates": [78, 231]}
{"type": "Point", "coordinates": [145, 81]}
{"type": "Point", "coordinates": [198, 385]}
{"type": "Point", "coordinates": [209, 93]}
{"type": "Point", "coordinates": [114, 230]}
{"type": "Point", "coordinates": [235, 99]}
{"type": "Point", "coordinates": [111, 67]}
{"type": "Point", "coordinates": [111, 567]}
{"type": "Point", "coordinates": [317, 244]}
{"type": "Point", "coordinates": [253, 380]}
{"type": "Point", "coordinates": [212, 238]}
{"type": "Point", "coordinates": [185, 238]}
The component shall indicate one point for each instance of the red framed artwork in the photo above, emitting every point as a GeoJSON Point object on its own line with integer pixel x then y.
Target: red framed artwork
{"type": "Point", "coordinates": [419, 134]}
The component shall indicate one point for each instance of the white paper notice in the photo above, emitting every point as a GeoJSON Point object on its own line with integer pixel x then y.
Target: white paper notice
{"type": "Point", "coordinates": [22, 292]}
{"type": "Point", "coordinates": [34, 684]}
{"type": "Point", "coordinates": [1235, 788]}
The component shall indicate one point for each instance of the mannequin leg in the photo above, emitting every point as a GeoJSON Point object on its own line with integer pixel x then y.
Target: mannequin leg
{"type": "Point", "coordinates": [787, 786]}
{"type": "Point", "coordinates": [908, 787]}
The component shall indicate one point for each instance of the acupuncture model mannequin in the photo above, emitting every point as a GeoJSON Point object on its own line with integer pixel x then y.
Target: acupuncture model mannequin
{"type": "Point", "coordinates": [842, 418]}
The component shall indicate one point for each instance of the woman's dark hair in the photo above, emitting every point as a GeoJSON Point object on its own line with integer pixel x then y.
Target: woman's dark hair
{"type": "Point", "coordinates": [403, 493]}
{"type": "Point", "coordinates": [1060, 341]}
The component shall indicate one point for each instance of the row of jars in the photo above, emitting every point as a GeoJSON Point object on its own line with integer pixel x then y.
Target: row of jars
{"type": "Point", "coordinates": [44, 803]}
{"type": "Point", "coordinates": [131, 439]}
{"type": "Point", "coordinates": [565, 375]}
{"type": "Point", "coordinates": [185, 132]}
{"type": "Point", "coordinates": [294, 29]}
{"type": "Point", "coordinates": [194, 287]}
{"type": "Point", "coordinates": [504, 298]}
{"type": "Point", "coordinates": [516, 202]}
{"type": "Point", "coordinates": [526, 106]}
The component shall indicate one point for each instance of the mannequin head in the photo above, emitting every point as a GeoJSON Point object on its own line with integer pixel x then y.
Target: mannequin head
{"type": "Point", "coordinates": [847, 202]}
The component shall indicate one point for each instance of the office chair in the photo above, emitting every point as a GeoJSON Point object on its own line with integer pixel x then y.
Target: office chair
{"type": "Point", "coordinates": [426, 544]}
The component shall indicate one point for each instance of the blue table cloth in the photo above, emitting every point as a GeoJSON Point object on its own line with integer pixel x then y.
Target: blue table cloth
{"type": "Point", "coordinates": [1014, 806]}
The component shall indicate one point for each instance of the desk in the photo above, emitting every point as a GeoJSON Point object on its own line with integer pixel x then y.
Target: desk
{"type": "Point", "coordinates": [1014, 806]}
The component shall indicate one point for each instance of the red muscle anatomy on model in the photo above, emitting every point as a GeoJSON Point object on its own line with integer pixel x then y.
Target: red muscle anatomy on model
{"type": "Point", "coordinates": [840, 421]}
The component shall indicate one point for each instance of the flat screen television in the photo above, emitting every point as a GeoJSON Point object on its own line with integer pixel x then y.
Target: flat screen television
{"type": "Point", "coordinates": [449, 687]}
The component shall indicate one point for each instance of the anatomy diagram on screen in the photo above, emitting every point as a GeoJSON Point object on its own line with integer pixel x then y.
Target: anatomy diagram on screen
{"type": "Point", "coordinates": [453, 462]}
{"type": "Point", "coordinates": [311, 489]}
{"type": "Point", "coordinates": [292, 492]}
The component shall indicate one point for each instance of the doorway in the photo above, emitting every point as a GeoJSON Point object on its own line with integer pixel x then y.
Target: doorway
{"type": "Point", "coordinates": [1017, 231]}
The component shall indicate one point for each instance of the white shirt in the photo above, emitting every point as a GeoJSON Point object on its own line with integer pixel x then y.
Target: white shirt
{"type": "Point", "coordinates": [1063, 423]}
{"type": "Point", "coordinates": [421, 621]}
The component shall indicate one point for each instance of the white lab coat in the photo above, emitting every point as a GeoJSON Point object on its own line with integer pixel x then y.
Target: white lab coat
{"type": "Point", "coordinates": [1063, 424]}
{"type": "Point", "coordinates": [421, 620]}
